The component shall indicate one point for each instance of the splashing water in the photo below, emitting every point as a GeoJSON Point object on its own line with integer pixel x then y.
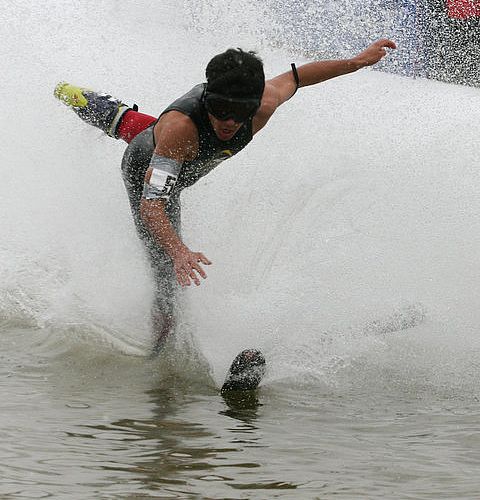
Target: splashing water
{"type": "Point", "coordinates": [357, 204]}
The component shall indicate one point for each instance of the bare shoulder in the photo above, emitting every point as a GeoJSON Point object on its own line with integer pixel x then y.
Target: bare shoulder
{"type": "Point", "coordinates": [271, 100]}
{"type": "Point", "coordinates": [176, 136]}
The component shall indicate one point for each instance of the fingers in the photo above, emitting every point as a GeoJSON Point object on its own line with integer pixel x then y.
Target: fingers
{"type": "Point", "coordinates": [203, 259]}
{"type": "Point", "coordinates": [194, 277]}
{"type": "Point", "coordinates": [182, 278]}
{"type": "Point", "coordinates": [199, 270]}
{"type": "Point", "coordinates": [385, 42]}
{"type": "Point", "coordinates": [377, 50]}
{"type": "Point", "coordinates": [195, 266]}
{"type": "Point", "coordinates": [185, 277]}
{"type": "Point", "coordinates": [188, 268]}
{"type": "Point", "coordinates": [191, 271]}
{"type": "Point", "coordinates": [390, 44]}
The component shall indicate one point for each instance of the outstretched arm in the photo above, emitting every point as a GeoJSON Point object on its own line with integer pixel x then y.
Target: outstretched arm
{"type": "Point", "coordinates": [279, 89]}
{"type": "Point", "coordinates": [316, 72]}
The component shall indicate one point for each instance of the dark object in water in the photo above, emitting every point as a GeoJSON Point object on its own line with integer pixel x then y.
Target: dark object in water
{"type": "Point", "coordinates": [246, 371]}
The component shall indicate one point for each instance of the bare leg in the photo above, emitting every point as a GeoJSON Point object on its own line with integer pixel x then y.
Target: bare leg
{"type": "Point", "coordinates": [163, 326]}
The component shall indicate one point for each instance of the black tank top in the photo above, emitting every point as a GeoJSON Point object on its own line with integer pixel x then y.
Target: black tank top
{"type": "Point", "coordinates": [211, 150]}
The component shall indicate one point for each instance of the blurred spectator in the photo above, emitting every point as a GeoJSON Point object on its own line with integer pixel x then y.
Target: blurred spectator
{"type": "Point", "coordinates": [453, 41]}
{"type": "Point", "coordinates": [463, 9]}
{"type": "Point", "coordinates": [438, 39]}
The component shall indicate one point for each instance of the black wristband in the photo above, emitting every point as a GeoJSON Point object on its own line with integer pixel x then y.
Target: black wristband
{"type": "Point", "coordinates": [295, 75]}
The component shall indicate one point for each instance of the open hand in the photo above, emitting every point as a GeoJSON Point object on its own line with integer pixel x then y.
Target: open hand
{"type": "Point", "coordinates": [374, 52]}
{"type": "Point", "coordinates": [187, 266]}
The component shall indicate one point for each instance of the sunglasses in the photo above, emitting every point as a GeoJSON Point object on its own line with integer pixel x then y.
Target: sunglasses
{"type": "Point", "coordinates": [238, 109]}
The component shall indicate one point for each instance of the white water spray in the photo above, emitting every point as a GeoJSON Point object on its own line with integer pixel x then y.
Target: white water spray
{"type": "Point", "coordinates": [359, 200]}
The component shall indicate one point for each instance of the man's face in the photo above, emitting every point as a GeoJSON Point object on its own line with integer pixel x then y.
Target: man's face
{"type": "Point", "coordinates": [224, 129]}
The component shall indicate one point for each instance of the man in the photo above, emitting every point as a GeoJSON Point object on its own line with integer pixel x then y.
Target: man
{"type": "Point", "coordinates": [192, 136]}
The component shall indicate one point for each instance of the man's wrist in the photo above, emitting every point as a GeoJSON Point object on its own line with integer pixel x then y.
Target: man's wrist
{"type": "Point", "coordinates": [174, 248]}
{"type": "Point", "coordinates": [357, 63]}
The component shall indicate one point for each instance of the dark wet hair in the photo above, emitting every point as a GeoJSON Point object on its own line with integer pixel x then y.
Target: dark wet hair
{"type": "Point", "coordinates": [236, 73]}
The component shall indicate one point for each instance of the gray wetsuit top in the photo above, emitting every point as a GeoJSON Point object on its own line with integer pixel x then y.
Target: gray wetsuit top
{"type": "Point", "coordinates": [211, 152]}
